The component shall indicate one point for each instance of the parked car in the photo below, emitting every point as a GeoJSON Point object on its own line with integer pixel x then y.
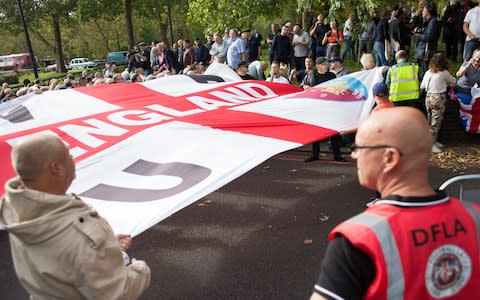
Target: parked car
{"type": "Point", "coordinates": [51, 68]}
{"type": "Point", "coordinates": [81, 63]}
{"type": "Point", "coordinates": [118, 58]}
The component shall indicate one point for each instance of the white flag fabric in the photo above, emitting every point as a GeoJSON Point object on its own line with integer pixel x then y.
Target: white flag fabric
{"type": "Point", "coordinates": [144, 151]}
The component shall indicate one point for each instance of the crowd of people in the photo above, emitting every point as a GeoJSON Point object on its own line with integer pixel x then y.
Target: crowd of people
{"type": "Point", "coordinates": [383, 41]}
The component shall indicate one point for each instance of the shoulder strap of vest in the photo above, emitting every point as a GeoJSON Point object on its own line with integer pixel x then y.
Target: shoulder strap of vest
{"type": "Point", "coordinates": [381, 227]}
{"type": "Point", "coordinates": [475, 213]}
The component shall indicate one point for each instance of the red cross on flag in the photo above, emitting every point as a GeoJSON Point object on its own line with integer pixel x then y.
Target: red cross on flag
{"type": "Point", "coordinates": [144, 151]}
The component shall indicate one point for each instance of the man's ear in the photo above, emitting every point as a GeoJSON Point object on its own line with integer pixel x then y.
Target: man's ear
{"type": "Point", "coordinates": [56, 168]}
{"type": "Point", "coordinates": [391, 159]}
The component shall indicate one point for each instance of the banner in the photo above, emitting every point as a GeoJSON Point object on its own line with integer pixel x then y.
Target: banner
{"type": "Point", "coordinates": [144, 151]}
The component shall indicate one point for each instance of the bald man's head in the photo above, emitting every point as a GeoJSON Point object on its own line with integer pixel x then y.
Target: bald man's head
{"type": "Point", "coordinates": [33, 157]}
{"type": "Point", "coordinates": [402, 127]}
{"type": "Point", "coordinates": [392, 142]}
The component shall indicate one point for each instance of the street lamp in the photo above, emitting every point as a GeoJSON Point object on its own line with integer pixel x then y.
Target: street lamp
{"type": "Point", "coordinates": [27, 40]}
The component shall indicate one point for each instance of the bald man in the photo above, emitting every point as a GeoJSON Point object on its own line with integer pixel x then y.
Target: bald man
{"type": "Point", "coordinates": [413, 242]}
{"type": "Point", "coordinates": [61, 247]}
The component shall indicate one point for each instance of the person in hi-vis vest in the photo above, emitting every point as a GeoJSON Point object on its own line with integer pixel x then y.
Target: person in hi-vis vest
{"type": "Point", "coordinates": [402, 80]}
{"type": "Point", "coordinates": [411, 243]}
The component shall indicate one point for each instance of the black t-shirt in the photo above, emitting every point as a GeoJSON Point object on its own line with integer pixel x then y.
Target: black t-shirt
{"type": "Point", "coordinates": [347, 271]}
{"type": "Point", "coordinates": [246, 77]}
{"type": "Point", "coordinates": [282, 48]}
{"type": "Point", "coordinates": [313, 78]}
{"type": "Point", "coordinates": [320, 32]}
{"type": "Point", "coordinates": [251, 47]}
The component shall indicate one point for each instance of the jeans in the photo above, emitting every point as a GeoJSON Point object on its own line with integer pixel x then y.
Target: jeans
{"type": "Point", "coordinates": [349, 48]}
{"type": "Point", "coordinates": [379, 50]}
{"type": "Point", "coordinates": [299, 63]}
{"type": "Point", "coordinates": [321, 51]}
{"type": "Point", "coordinates": [470, 46]}
{"type": "Point", "coordinates": [270, 55]}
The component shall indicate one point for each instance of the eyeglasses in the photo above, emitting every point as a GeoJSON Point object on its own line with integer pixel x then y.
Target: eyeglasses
{"type": "Point", "coordinates": [355, 148]}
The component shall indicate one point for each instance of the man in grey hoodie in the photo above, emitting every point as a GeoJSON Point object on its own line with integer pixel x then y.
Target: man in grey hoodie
{"type": "Point", "coordinates": [61, 247]}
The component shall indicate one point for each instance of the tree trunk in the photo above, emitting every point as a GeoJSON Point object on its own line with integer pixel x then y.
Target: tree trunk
{"type": "Point", "coordinates": [129, 24]}
{"type": "Point", "coordinates": [306, 18]}
{"type": "Point", "coordinates": [59, 60]}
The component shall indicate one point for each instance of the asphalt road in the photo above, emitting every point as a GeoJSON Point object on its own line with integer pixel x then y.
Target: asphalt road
{"type": "Point", "coordinates": [260, 237]}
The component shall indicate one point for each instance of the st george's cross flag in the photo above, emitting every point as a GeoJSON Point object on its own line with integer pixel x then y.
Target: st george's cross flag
{"type": "Point", "coordinates": [146, 150]}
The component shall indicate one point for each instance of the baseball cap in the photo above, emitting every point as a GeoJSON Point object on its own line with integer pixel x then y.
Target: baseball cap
{"type": "Point", "coordinates": [335, 58]}
{"type": "Point", "coordinates": [380, 89]}
{"type": "Point", "coordinates": [241, 64]}
{"type": "Point", "coordinates": [321, 61]}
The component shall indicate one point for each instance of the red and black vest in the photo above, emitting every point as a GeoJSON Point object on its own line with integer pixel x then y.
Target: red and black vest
{"type": "Point", "coordinates": [423, 251]}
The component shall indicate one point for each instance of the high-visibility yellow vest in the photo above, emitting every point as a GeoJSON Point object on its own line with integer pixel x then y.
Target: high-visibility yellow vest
{"type": "Point", "coordinates": [404, 84]}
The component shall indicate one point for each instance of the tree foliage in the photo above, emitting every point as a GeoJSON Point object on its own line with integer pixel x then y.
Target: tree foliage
{"type": "Point", "coordinates": [213, 15]}
{"type": "Point", "coordinates": [94, 27]}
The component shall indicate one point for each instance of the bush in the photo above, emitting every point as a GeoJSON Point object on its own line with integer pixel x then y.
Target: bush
{"type": "Point", "coordinates": [9, 78]}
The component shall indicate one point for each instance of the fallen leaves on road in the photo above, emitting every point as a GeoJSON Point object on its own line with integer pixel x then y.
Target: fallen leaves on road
{"type": "Point", "coordinates": [324, 218]}
{"type": "Point", "coordinates": [204, 202]}
{"type": "Point", "coordinates": [455, 159]}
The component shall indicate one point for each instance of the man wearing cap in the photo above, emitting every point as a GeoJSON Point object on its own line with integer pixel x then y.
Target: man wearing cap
{"type": "Point", "coordinates": [380, 94]}
{"type": "Point", "coordinates": [242, 71]}
{"type": "Point", "coordinates": [403, 81]}
{"type": "Point", "coordinates": [312, 79]}
{"type": "Point", "coordinates": [336, 66]}
{"type": "Point", "coordinates": [318, 76]}
{"type": "Point", "coordinates": [412, 242]}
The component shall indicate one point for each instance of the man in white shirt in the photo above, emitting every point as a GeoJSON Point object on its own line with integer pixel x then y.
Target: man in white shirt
{"type": "Point", "coordinates": [275, 75]}
{"type": "Point", "coordinates": [236, 52]}
{"type": "Point", "coordinates": [471, 27]}
{"type": "Point", "coordinates": [349, 45]}
{"type": "Point", "coordinates": [300, 42]}
{"type": "Point", "coordinates": [219, 48]}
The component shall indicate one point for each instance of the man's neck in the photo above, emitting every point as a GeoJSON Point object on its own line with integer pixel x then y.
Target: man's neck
{"type": "Point", "coordinates": [415, 186]}
{"type": "Point", "coordinates": [45, 187]}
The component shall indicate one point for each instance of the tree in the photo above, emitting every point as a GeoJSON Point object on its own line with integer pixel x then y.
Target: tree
{"type": "Point", "coordinates": [36, 11]}
{"type": "Point", "coordinates": [213, 15]}
{"type": "Point", "coordinates": [57, 11]}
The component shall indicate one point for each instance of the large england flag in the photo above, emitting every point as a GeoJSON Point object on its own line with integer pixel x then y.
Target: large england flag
{"type": "Point", "coordinates": [144, 151]}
